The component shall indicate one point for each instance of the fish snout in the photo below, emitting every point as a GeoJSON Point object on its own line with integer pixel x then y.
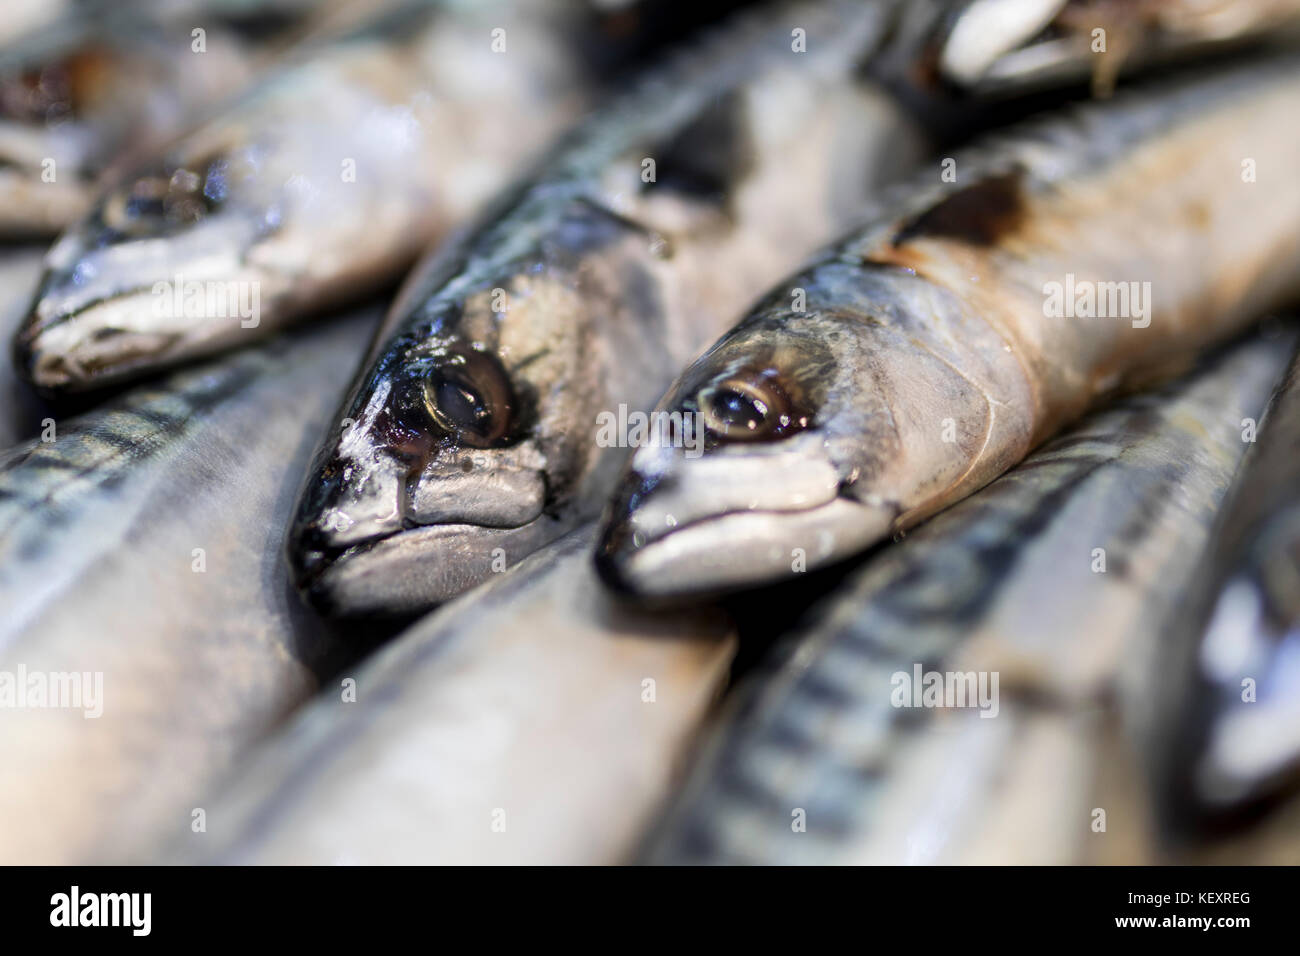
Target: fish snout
{"type": "Point", "coordinates": [71, 355]}
{"type": "Point", "coordinates": [489, 497]}
{"type": "Point", "coordinates": [719, 521]}
{"type": "Point", "coordinates": [346, 506]}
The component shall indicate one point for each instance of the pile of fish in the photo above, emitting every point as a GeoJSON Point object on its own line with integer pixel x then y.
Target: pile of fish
{"type": "Point", "coordinates": [562, 431]}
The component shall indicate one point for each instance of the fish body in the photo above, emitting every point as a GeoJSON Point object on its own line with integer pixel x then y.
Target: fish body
{"type": "Point", "coordinates": [1046, 588]}
{"type": "Point", "coordinates": [534, 721]}
{"type": "Point", "coordinates": [317, 186]}
{"type": "Point", "coordinates": [965, 324]}
{"type": "Point", "coordinates": [141, 543]}
{"type": "Point", "coordinates": [472, 435]}
{"type": "Point", "coordinates": [1230, 665]}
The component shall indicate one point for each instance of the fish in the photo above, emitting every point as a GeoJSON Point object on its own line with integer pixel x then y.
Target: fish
{"type": "Point", "coordinates": [1047, 588]}
{"type": "Point", "coordinates": [473, 434]}
{"type": "Point", "coordinates": [315, 188]}
{"type": "Point", "coordinates": [932, 348]}
{"type": "Point", "coordinates": [1007, 47]}
{"type": "Point", "coordinates": [1231, 681]}
{"type": "Point", "coordinates": [140, 569]}
{"type": "Point", "coordinates": [75, 97]}
{"type": "Point", "coordinates": [532, 721]}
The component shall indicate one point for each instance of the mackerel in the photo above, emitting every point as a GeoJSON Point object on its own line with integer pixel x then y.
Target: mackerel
{"type": "Point", "coordinates": [473, 433]}
{"type": "Point", "coordinates": [1046, 588]}
{"type": "Point", "coordinates": [932, 349]}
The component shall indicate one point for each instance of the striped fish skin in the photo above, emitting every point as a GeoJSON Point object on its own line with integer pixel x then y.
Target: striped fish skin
{"type": "Point", "coordinates": [1003, 583]}
{"type": "Point", "coordinates": [471, 434]}
{"type": "Point", "coordinates": [320, 185]}
{"type": "Point", "coordinates": [1231, 661]}
{"type": "Point", "coordinates": [935, 348]}
{"type": "Point", "coordinates": [475, 740]}
{"type": "Point", "coordinates": [143, 544]}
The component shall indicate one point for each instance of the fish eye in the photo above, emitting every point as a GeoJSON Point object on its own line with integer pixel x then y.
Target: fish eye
{"type": "Point", "coordinates": [165, 200]}
{"type": "Point", "coordinates": [750, 408]}
{"type": "Point", "coordinates": [470, 396]}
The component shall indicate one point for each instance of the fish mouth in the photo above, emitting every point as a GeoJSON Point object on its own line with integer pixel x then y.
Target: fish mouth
{"type": "Point", "coordinates": [411, 570]}
{"type": "Point", "coordinates": [734, 551]}
{"type": "Point", "coordinates": [107, 356]}
{"type": "Point", "coordinates": [111, 339]}
{"type": "Point", "coordinates": [737, 517]}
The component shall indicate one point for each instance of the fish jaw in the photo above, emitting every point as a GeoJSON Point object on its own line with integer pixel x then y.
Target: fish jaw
{"type": "Point", "coordinates": [378, 543]}
{"type": "Point", "coordinates": [740, 516]}
{"type": "Point", "coordinates": [407, 572]}
{"type": "Point", "coordinates": [102, 311]}
{"type": "Point", "coordinates": [689, 564]}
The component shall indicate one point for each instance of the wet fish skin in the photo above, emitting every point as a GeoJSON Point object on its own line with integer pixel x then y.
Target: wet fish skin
{"type": "Point", "coordinates": [201, 652]}
{"type": "Point", "coordinates": [1003, 583]}
{"type": "Point", "coordinates": [484, 741]}
{"type": "Point", "coordinates": [926, 362]}
{"type": "Point", "coordinates": [320, 185]}
{"type": "Point", "coordinates": [470, 437]}
{"type": "Point", "coordinates": [1231, 755]}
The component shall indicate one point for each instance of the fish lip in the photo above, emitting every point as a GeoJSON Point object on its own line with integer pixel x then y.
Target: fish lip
{"type": "Point", "coordinates": [314, 570]}
{"type": "Point", "coordinates": [704, 572]}
{"type": "Point", "coordinates": [51, 373]}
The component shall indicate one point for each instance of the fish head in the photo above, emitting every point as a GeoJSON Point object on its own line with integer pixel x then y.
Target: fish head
{"type": "Point", "coordinates": [763, 486]}
{"type": "Point", "coordinates": [168, 264]}
{"type": "Point", "coordinates": [46, 144]}
{"type": "Point", "coordinates": [822, 428]}
{"type": "Point", "coordinates": [467, 445]}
